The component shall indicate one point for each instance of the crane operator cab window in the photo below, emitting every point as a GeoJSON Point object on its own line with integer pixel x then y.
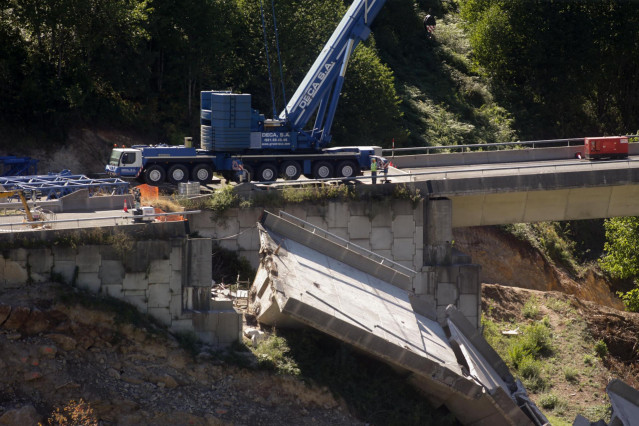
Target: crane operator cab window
{"type": "Point", "coordinates": [128, 158]}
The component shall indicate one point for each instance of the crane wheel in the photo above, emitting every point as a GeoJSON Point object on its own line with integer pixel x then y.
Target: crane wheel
{"type": "Point", "coordinates": [290, 170]}
{"type": "Point", "coordinates": [323, 170]}
{"type": "Point", "coordinates": [346, 169]}
{"type": "Point", "coordinates": [178, 173]}
{"type": "Point", "coordinates": [202, 173]}
{"type": "Point", "coordinates": [267, 173]}
{"type": "Point", "coordinates": [154, 175]}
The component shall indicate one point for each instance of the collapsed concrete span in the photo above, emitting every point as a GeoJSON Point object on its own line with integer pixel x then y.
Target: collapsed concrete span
{"type": "Point", "coordinates": [308, 277]}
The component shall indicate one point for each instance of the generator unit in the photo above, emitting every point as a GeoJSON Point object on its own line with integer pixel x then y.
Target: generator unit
{"type": "Point", "coordinates": [606, 147]}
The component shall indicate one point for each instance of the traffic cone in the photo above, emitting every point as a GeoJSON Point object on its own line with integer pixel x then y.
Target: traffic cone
{"type": "Point", "coordinates": [126, 209]}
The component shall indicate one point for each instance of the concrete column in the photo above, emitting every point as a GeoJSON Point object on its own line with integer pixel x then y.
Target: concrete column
{"type": "Point", "coordinates": [447, 277]}
{"type": "Point", "coordinates": [438, 231]}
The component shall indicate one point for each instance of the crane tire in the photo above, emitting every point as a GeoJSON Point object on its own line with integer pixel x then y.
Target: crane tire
{"type": "Point", "coordinates": [347, 169]}
{"type": "Point", "coordinates": [154, 175]}
{"type": "Point", "coordinates": [323, 170]}
{"type": "Point", "coordinates": [202, 173]}
{"type": "Point", "coordinates": [178, 173]}
{"type": "Point", "coordinates": [267, 173]}
{"type": "Point", "coordinates": [290, 170]}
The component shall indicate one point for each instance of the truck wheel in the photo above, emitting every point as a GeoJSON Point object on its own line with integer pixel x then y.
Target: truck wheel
{"type": "Point", "coordinates": [202, 173]}
{"type": "Point", "coordinates": [178, 173]}
{"type": "Point", "coordinates": [346, 169]}
{"type": "Point", "coordinates": [267, 173]}
{"type": "Point", "coordinates": [290, 170]}
{"type": "Point", "coordinates": [154, 175]}
{"type": "Point", "coordinates": [322, 170]}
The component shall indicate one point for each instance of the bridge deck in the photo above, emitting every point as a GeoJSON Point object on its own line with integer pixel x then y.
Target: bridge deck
{"type": "Point", "coordinates": [298, 285]}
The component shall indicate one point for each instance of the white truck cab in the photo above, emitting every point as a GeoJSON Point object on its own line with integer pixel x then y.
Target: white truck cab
{"type": "Point", "coordinates": [125, 162]}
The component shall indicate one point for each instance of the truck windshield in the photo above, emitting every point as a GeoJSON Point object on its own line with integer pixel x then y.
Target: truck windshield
{"type": "Point", "coordinates": [115, 157]}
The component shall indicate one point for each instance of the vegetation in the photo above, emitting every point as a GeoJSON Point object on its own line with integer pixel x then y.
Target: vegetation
{"type": "Point", "coordinates": [553, 239]}
{"type": "Point", "coordinates": [371, 389]}
{"type": "Point", "coordinates": [621, 259]}
{"type": "Point", "coordinates": [75, 413]}
{"type": "Point", "coordinates": [555, 357]}
{"type": "Point", "coordinates": [555, 77]}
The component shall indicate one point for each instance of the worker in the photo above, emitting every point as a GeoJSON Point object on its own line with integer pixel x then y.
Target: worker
{"type": "Point", "coordinates": [384, 166]}
{"type": "Point", "coordinates": [429, 24]}
{"type": "Point", "coordinates": [374, 170]}
{"type": "Point", "coordinates": [137, 196]}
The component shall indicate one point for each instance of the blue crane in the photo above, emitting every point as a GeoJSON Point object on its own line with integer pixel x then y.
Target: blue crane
{"type": "Point", "coordinates": [235, 137]}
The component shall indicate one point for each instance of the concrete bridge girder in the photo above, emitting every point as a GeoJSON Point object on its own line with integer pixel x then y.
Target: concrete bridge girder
{"type": "Point", "coordinates": [550, 205]}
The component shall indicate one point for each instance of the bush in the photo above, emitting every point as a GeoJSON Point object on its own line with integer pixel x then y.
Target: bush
{"type": "Point", "coordinates": [589, 360]}
{"type": "Point", "coordinates": [549, 401]}
{"type": "Point", "coordinates": [531, 308]}
{"type": "Point", "coordinates": [630, 299]}
{"type": "Point", "coordinates": [273, 354]}
{"type": "Point", "coordinates": [571, 374]}
{"type": "Point", "coordinates": [537, 340]}
{"type": "Point", "coordinates": [529, 368]}
{"type": "Point", "coordinates": [516, 353]}
{"type": "Point", "coordinates": [223, 199]}
{"type": "Point", "coordinates": [74, 414]}
{"type": "Point", "coordinates": [601, 349]}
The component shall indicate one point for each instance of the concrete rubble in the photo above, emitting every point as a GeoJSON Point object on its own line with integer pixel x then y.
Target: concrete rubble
{"type": "Point", "coordinates": [304, 279]}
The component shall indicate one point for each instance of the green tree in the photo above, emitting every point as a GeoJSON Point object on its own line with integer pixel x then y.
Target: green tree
{"type": "Point", "coordinates": [368, 110]}
{"type": "Point", "coordinates": [621, 258]}
{"type": "Point", "coordinates": [563, 66]}
{"type": "Point", "coordinates": [621, 250]}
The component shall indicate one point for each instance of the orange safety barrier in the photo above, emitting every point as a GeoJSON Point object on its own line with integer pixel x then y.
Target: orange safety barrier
{"type": "Point", "coordinates": [149, 192]}
{"type": "Point", "coordinates": [170, 218]}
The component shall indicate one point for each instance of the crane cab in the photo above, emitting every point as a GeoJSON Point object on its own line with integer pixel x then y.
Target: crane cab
{"type": "Point", "coordinates": [124, 162]}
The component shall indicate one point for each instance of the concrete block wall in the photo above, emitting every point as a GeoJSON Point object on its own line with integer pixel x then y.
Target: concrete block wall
{"type": "Point", "coordinates": [167, 279]}
{"type": "Point", "coordinates": [413, 236]}
{"type": "Point", "coordinates": [392, 228]}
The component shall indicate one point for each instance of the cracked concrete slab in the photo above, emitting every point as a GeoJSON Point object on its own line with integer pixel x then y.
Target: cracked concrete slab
{"type": "Point", "coordinates": [338, 291]}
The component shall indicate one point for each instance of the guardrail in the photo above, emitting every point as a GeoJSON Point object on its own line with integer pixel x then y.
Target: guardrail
{"type": "Point", "coordinates": [475, 147]}
{"type": "Point", "coordinates": [409, 176]}
{"type": "Point", "coordinates": [354, 247]}
{"type": "Point", "coordinates": [124, 220]}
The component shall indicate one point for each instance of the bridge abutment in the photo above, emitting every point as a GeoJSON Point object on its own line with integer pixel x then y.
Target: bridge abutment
{"type": "Point", "coordinates": [447, 277]}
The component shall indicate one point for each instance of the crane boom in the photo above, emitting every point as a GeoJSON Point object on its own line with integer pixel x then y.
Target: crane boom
{"type": "Point", "coordinates": [320, 89]}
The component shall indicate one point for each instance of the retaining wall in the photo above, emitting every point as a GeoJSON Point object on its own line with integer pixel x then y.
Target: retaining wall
{"type": "Point", "coordinates": [168, 277]}
{"type": "Point", "coordinates": [391, 228]}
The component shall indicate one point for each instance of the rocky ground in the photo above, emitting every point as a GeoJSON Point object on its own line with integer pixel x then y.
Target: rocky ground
{"type": "Point", "coordinates": [54, 354]}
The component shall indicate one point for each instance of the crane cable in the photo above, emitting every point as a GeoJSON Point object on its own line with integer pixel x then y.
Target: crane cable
{"type": "Point", "coordinates": [268, 62]}
{"type": "Point", "coordinates": [279, 59]}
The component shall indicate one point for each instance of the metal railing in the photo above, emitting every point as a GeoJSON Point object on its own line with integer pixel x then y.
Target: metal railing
{"type": "Point", "coordinates": [354, 247]}
{"type": "Point", "coordinates": [49, 224]}
{"type": "Point", "coordinates": [476, 147]}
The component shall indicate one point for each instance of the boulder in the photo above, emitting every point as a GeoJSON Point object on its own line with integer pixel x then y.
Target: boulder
{"type": "Point", "coordinates": [26, 415]}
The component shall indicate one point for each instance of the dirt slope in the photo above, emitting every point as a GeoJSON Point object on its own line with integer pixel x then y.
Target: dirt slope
{"type": "Point", "coordinates": [52, 354]}
{"type": "Point", "coordinates": [573, 373]}
{"type": "Point", "coordinates": [511, 262]}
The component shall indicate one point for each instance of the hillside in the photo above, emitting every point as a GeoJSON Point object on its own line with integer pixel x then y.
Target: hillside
{"type": "Point", "coordinates": [63, 348]}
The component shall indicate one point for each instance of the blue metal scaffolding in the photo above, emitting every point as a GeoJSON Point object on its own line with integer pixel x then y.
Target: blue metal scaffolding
{"type": "Point", "coordinates": [17, 166]}
{"type": "Point", "coordinates": [54, 186]}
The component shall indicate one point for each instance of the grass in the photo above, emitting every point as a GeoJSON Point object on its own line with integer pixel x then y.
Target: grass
{"type": "Point", "coordinates": [531, 308]}
{"type": "Point", "coordinates": [556, 358]}
{"type": "Point", "coordinates": [552, 241]}
{"type": "Point", "coordinates": [372, 390]}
